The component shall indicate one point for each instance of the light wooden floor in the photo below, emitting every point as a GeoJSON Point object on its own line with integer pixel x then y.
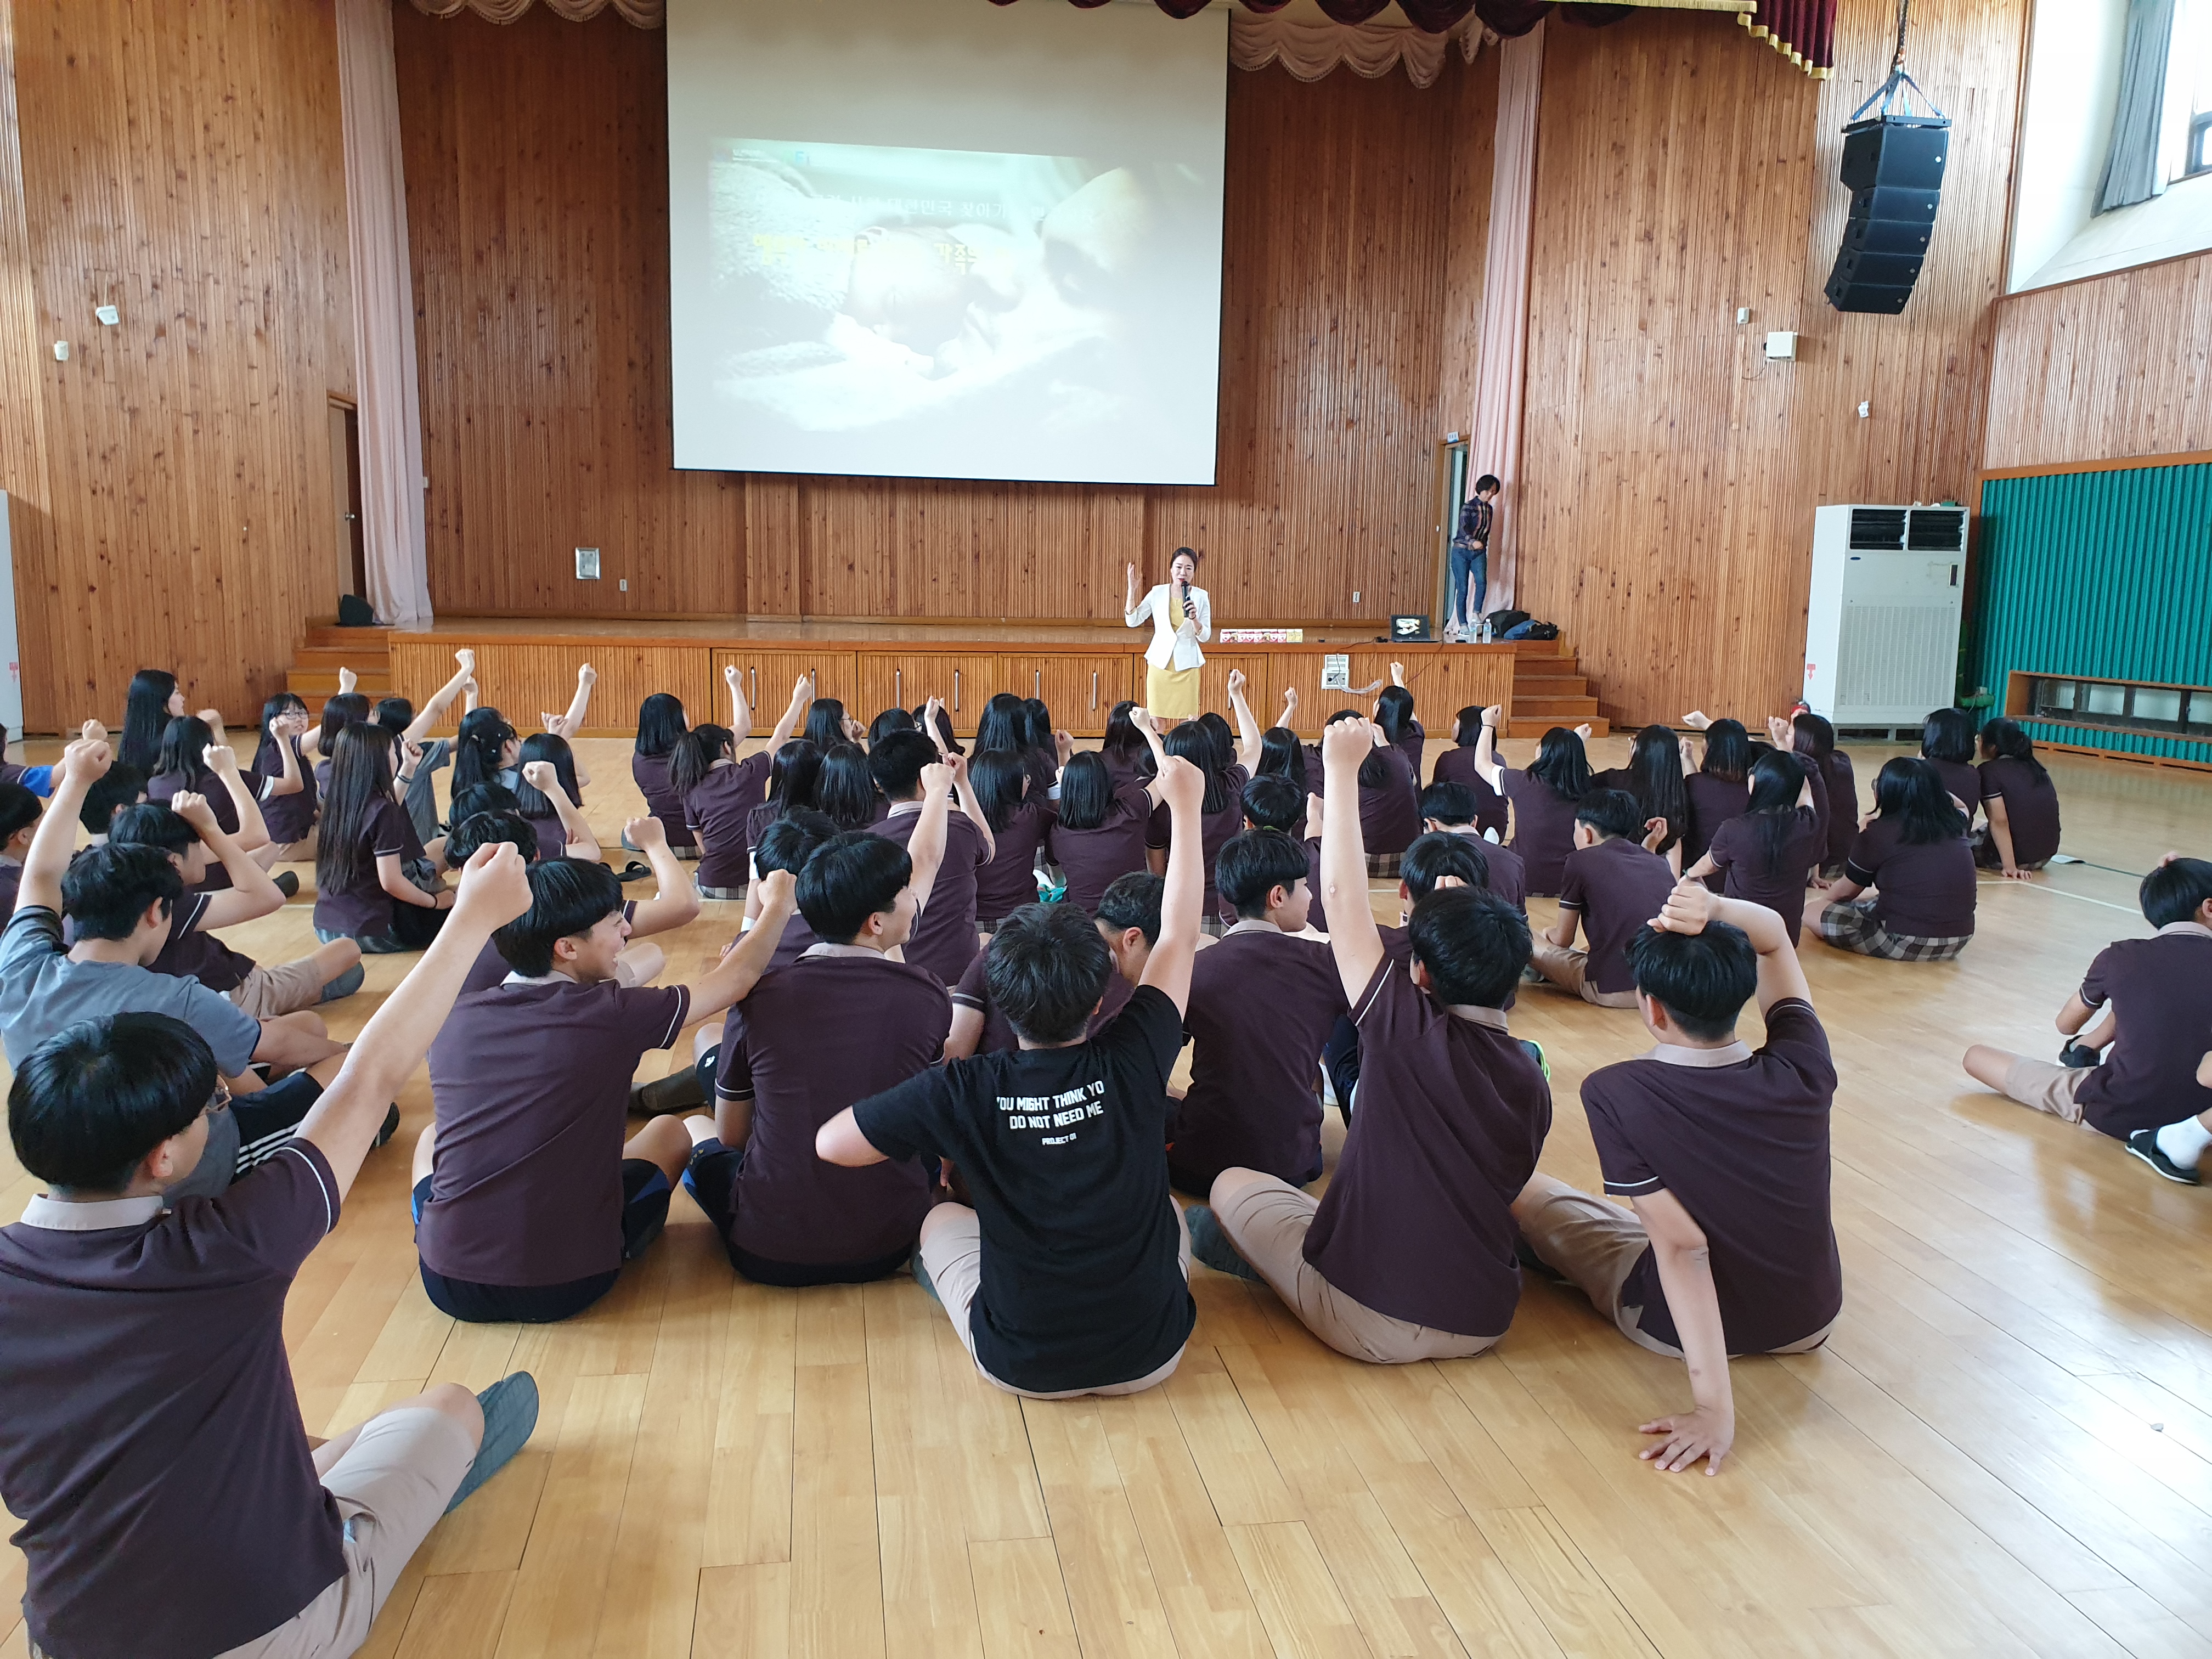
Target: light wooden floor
{"type": "Point", "coordinates": [2006, 1447]}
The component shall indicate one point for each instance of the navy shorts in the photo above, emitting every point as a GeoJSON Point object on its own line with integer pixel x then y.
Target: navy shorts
{"type": "Point", "coordinates": [646, 1192]}
{"type": "Point", "coordinates": [711, 1178]}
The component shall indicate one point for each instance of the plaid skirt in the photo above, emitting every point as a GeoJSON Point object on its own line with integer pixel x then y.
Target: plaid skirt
{"type": "Point", "coordinates": [1850, 926]}
{"type": "Point", "coordinates": [1383, 865]}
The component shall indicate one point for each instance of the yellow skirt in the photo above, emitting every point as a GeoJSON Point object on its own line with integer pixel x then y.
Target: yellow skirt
{"type": "Point", "coordinates": [1171, 693]}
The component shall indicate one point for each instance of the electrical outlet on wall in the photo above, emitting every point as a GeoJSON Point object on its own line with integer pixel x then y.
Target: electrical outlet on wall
{"type": "Point", "coordinates": [1355, 596]}
{"type": "Point", "coordinates": [587, 564]}
{"type": "Point", "coordinates": [622, 585]}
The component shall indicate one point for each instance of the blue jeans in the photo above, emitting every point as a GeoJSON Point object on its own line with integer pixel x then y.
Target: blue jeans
{"type": "Point", "coordinates": [1469, 563]}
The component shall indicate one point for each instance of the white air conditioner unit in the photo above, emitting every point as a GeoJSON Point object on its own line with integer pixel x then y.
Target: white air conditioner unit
{"type": "Point", "coordinates": [1882, 630]}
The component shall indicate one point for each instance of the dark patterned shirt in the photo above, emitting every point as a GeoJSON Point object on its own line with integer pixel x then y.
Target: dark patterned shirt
{"type": "Point", "coordinates": [1474, 521]}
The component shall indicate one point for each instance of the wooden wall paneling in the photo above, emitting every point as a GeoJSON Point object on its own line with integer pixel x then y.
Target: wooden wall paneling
{"type": "Point", "coordinates": [23, 461]}
{"type": "Point", "coordinates": [906, 679]}
{"type": "Point", "coordinates": [629, 674]}
{"type": "Point", "coordinates": [771, 671]}
{"type": "Point", "coordinates": [775, 546]}
{"type": "Point", "coordinates": [1259, 689]}
{"type": "Point", "coordinates": [417, 667]}
{"type": "Point", "coordinates": [1080, 687]}
{"type": "Point", "coordinates": [2117, 366]}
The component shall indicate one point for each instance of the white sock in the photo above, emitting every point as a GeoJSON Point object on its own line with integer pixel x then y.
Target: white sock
{"type": "Point", "coordinates": [2185, 1142]}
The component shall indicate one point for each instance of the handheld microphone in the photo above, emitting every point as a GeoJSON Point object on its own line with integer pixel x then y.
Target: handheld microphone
{"type": "Point", "coordinates": [1186, 599]}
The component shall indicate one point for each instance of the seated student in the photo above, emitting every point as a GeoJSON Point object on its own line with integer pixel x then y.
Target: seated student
{"type": "Point", "coordinates": [487, 751]}
{"type": "Point", "coordinates": [187, 832]}
{"type": "Point", "coordinates": [2150, 1091]}
{"type": "Point", "coordinates": [1389, 800]}
{"type": "Point", "coordinates": [661, 724]}
{"type": "Point", "coordinates": [39, 780]}
{"type": "Point", "coordinates": [1128, 918]}
{"type": "Point", "coordinates": [374, 882]}
{"type": "Point", "coordinates": [1915, 856]}
{"type": "Point", "coordinates": [944, 939]}
{"type": "Point", "coordinates": [1614, 884]}
{"type": "Point", "coordinates": [1071, 1273]}
{"type": "Point", "coordinates": [119, 900]}
{"type": "Point", "coordinates": [1221, 814]}
{"type": "Point", "coordinates": [171, 1499]}
{"type": "Point", "coordinates": [1454, 809]}
{"type": "Point", "coordinates": [1456, 765]}
{"type": "Point", "coordinates": [347, 708]}
{"type": "Point", "coordinates": [1815, 738]}
{"type": "Point", "coordinates": [551, 799]}
{"type": "Point", "coordinates": [19, 821]}
{"type": "Point", "coordinates": [845, 792]}
{"type": "Point", "coordinates": [1653, 776]}
{"type": "Point", "coordinates": [528, 1200]}
{"type": "Point", "coordinates": [289, 797]}
{"type": "Point", "coordinates": [120, 786]}
{"type": "Point", "coordinates": [1283, 760]}
{"type": "Point", "coordinates": [191, 760]}
{"type": "Point", "coordinates": [2020, 801]}
{"type": "Point", "coordinates": [1273, 802]}
{"type": "Point", "coordinates": [1723, 1152]}
{"type": "Point", "coordinates": [1543, 798]}
{"type": "Point", "coordinates": [398, 716]}
{"type": "Point", "coordinates": [1124, 747]}
{"type": "Point", "coordinates": [786, 845]}
{"type": "Point", "coordinates": [1947, 743]}
{"type": "Point", "coordinates": [890, 721]}
{"type": "Point", "coordinates": [789, 1061]}
{"type": "Point", "coordinates": [1765, 855]}
{"type": "Point", "coordinates": [153, 701]}
{"type": "Point", "coordinates": [1262, 1003]}
{"type": "Point", "coordinates": [1720, 788]}
{"type": "Point", "coordinates": [1099, 829]}
{"type": "Point", "coordinates": [720, 791]}
{"type": "Point", "coordinates": [1394, 718]}
{"type": "Point", "coordinates": [1020, 818]}
{"type": "Point", "coordinates": [827, 724]}
{"type": "Point", "coordinates": [1410, 1254]}
{"type": "Point", "coordinates": [794, 785]}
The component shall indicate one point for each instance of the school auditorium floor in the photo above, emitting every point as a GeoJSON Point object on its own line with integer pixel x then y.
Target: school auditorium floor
{"type": "Point", "coordinates": [2006, 1446]}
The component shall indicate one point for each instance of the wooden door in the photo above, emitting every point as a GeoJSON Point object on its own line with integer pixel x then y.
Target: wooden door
{"type": "Point", "coordinates": [352, 571]}
{"type": "Point", "coordinates": [1081, 688]}
{"type": "Point", "coordinates": [905, 680]}
{"type": "Point", "coordinates": [770, 671]}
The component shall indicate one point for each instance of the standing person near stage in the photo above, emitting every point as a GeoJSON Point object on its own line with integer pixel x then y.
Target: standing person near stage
{"type": "Point", "coordinates": [1470, 558]}
{"type": "Point", "coordinates": [1183, 619]}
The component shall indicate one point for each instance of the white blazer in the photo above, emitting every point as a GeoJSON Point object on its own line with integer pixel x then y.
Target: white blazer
{"type": "Point", "coordinates": [1170, 648]}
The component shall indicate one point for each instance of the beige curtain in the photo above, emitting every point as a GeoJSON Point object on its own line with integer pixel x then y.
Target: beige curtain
{"type": "Point", "coordinates": [1501, 370]}
{"type": "Point", "coordinates": [383, 316]}
{"type": "Point", "coordinates": [1311, 48]}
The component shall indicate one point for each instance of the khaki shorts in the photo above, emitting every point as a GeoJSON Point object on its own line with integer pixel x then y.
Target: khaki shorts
{"type": "Point", "coordinates": [391, 1486]}
{"type": "Point", "coordinates": [1268, 1221]}
{"type": "Point", "coordinates": [2046, 1087]}
{"type": "Point", "coordinates": [951, 1251]}
{"type": "Point", "coordinates": [1568, 968]}
{"type": "Point", "coordinates": [284, 989]}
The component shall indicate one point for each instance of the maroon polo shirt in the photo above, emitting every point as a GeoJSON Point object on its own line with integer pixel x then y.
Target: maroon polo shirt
{"type": "Point", "coordinates": [150, 1439]}
{"type": "Point", "coordinates": [164, 787]}
{"type": "Point", "coordinates": [288, 817]}
{"type": "Point", "coordinates": [2164, 986]}
{"type": "Point", "coordinates": [1456, 765]}
{"type": "Point", "coordinates": [974, 991]}
{"type": "Point", "coordinates": [530, 1083]}
{"type": "Point", "coordinates": [1543, 830]}
{"type": "Point", "coordinates": [1618, 887]}
{"type": "Point", "coordinates": [1842, 808]}
{"type": "Point", "coordinates": [552, 838]}
{"type": "Point", "coordinates": [1262, 1003]}
{"type": "Point", "coordinates": [838, 1025]}
{"type": "Point", "coordinates": [1921, 892]}
{"type": "Point", "coordinates": [1779, 884]}
{"type": "Point", "coordinates": [1417, 1222]}
{"type": "Point", "coordinates": [1713, 802]}
{"type": "Point", "coordinates": [944, 939]}
{"type": "Point", "coordinates": [714, 811]}
{"type": "Point", "coordinates": [360, 908]}
{"type": "Point", "coordinates": [1009, 880]}
{"type": "Point", "coordinates": [190, 953]}
{"type": "Point", "coordinates": [2031, 808]}
{"type": "Point", "coordinates": [1215, 830]}
{"type": "Point", "coordinates": [1963, 781]}
{"type": "Point", "coordinates": [1390, 816]}
{"type": "Point", "coordinates": [1509, 876]}
{"type": "Point", "coordinates": [1092, 858]}
{"type": "Point", "coordinates": [1744, 1146]}
{"type": "Point", "coordinates": [650, 774]}
{"type": "Point", "coordinates": [1817, 780]}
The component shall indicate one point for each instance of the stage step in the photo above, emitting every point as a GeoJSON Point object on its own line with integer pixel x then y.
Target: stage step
{"type": "Point", "coordinates": [329, 634]}
{"type": "Point", "coordinates": [318, 685]}
{"type": "Point", "coordinates": [1548, 691]}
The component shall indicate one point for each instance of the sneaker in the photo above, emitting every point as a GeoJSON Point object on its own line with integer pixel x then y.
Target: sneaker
{"type": "Point", "coordinates": [679, 1091]}
{"type": "Point", "coordinates": [1525, 1253]}
{"type": "Point", "coordinates": [391, 1127]}
{"type": "Point", "coordinates": [287, 882]}
{"type": "Point", "coordinates": [2143, 1143]}
{"type": "Point", "coordinates": [510, 1413]}
{"type": "Point", "coordinates": [2076, 1055]}
{"type": "Point", "coordinates": [1209, 1244]}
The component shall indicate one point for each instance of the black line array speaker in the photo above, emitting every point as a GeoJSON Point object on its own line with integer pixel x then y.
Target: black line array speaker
{"type": "Point", "coordinates": [1893, 165]}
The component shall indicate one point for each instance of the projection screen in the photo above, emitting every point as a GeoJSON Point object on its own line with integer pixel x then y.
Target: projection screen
{"type": "Point", "coordinates": [945, 238]}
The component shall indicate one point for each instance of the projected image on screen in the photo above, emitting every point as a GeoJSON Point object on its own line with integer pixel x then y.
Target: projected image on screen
{"type": "Point", "coordinates": [922, 302]}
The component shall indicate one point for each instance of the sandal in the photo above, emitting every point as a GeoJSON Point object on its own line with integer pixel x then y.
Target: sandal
{"type": "Point", "coordinates": [633, 871]}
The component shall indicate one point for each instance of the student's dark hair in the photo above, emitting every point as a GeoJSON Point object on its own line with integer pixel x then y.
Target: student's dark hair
{"type": "Point", "coordinates": [1133, 901]}
{"type": "Point", "coordinates": [2175, 891]}
{"type": "Point", "coordinates": [794, 777]}
{"type": "Point", "coordinates": [788, 842]}
{"type": "Point", "coordinates": [825, 723]}
{"type": "Point", "coordinates": [2005, 738]}
{"type": "Point", "coordinates": [1612, 813]}
{"type": "Point", "coordinates": [1269, 804]}
{"type": "Point", "coordinates": [395, 715]}
{"type": "Point", "coordinates": [152, 824]}
{"type": "Point", "coordinates": [1036, 725]}
{"type": "Point", "coordinates": [146, 717]}
{"type": "Point", "coordinates": [998, 777]}
{"type": "Point", "coordinates": [1394, 712]}
{"type": "Point", "coordinates": [184, 743]}
{"type": "Point", "coordinates": [845, 789]}
{"type": "Point", "coordinates": [1776, 782]}
{"type": "Point", "coordinates": [89, 1102]}
{"type": "Point", "coordinates": [1467, 727]}
{"type": "Point", "coordinates": [1224, 736]}
{"type": "Point", "coordinates": [1472, 944]}
{"type": "Point", "coordinates": [1448, 802]}
{"type": "Point", "coordinates": [120, 786]}
{"type": "Point", "coordinates": [339, 713]}
{"type": "Point", "coordinates": [1728, 752]}
{"type": "Point", "coordinates": [1046, 970]}
{"type": "Point", "coordinates": [1086, 792]}
{"type": "Point", "coordinates": [483, 797]}
{"type": "Point", "coordinates": [283, 702]}
{"type": "Point", "coordinates": [1003, 723]}
{"type": "Point", "coordinates": [477, 751]}
{"type": "Point", "coordinates": [1948, 734]}
{"type": "Point", "coordinates": [1439, 853]}
{"type": "Point", "coordinates": [1487, 481]}
{"type": "Point", "coordinates": [1910, 793]}
{"type": "Point", "coordinates": [896, 763]}
{"type": "Point", "coordinates": [695, 753]}
{"type": "Point", "coordinates": [952, 745]}
{"type": "Point", "coordinates": [1282, 755]}
{"type": "Point", "coordinates": [551, 747]}
{"type": "Point", "coordinates": [890, 721]}
{"type": "Point", "coordinates": [1655, 777]}
{"type": "Point", "coordinates": [1562, 762]}
{"type": "Point", "coordinates": [846, 879]}
{"type": "Point", "coordinates": [19, 809]}
{"type": "Point", "coordinates": [360, 784]}
{"type": "Point", "coordinates": [1702, 980]}
{"type": "Point", "coordinates": [107, 888]}
{"type": "Point", "coordinates": [478, 831]}
{"type": "Point", "coordinates": [1122, 740]}
{"type": "Point", "coordinates": [1251, 866]}
{"type": "Point", "coordinates": [1811, 734]}
{"type": "Point", "coordinates": [567, 896]}
{"type": "Point", "coordinates": [660, 722]}
{"type": "Point", "coordinates": [1192, 742]}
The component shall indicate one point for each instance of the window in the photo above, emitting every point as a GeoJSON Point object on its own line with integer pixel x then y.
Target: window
{"type": "Point", "coordinates": [2172, 711]}
{"type": "Point", "coordinates": [2198, 156]}
{"type": "Point", "coordinates": [2185, 146]}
